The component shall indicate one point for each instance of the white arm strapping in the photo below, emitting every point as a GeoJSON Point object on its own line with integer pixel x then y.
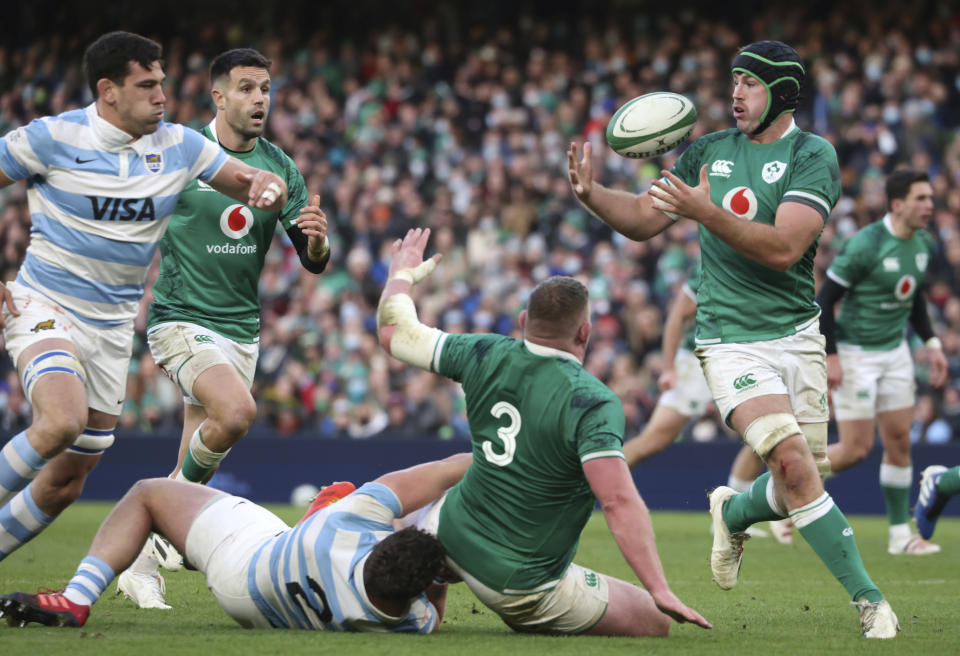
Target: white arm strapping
{"type": "Point", "coordinates": [412, 342]}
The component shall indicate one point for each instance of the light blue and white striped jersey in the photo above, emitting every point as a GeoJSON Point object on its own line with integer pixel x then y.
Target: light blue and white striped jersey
{"type": "Point", "coordinates": [99, 205]}
{"type": "Point", "coordinates": [311, 577]}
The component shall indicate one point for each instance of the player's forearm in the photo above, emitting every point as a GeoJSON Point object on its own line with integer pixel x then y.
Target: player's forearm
{"type": "Point", "coordinates": [631, 215]}
{"type": "Point", "coordinates": [762, 243]}
{"type": "Point", "coordinates": [672, 336]}
{"type": "Point", "coordinates": [629, 522]}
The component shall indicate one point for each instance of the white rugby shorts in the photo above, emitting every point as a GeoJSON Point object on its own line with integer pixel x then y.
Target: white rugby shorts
{"type": "Point", "coordinates": [572, 604]}
{"type": "Point", "coordinates": [691, 395]}
{"type": "Point", "coordinates": [176, 346]}
{"type": "Point", "coordinates": [221, 542]}
{"type": "Point", "coordinates": [873, 382]}
{"type": "Point", "coordinates": [104, 352]}
{"type": "Point", "coordinates": [795, 366]}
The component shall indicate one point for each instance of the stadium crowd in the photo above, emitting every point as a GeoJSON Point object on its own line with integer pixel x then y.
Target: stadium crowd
{"type": "Point", "coordinates": [462, 126]}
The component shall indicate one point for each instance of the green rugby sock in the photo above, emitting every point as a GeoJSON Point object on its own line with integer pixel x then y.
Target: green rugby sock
{"type": "Point", "coordinates": [949, 481]}
{"type": "Point", "coordinates": [828, 533]}
{"type": "Point", "coordinates": [895, 482]}
{"type": "Point", "coordinates": [755, 505]}
{"type": "Point", "coordinates": [200, 461]}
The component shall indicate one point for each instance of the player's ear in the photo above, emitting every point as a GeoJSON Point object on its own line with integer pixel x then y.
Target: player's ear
{"type": "Point", "coordinates": [106, 89]}
{"type": "Point", "coordinates": [583, 332]}
{"type": "Point", "coordinates": [523, 321]}
{"type": "Point", "coordinates": [217, 95]}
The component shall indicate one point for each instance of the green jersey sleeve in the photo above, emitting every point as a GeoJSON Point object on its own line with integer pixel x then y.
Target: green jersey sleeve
{"type": "Point", "coordinates": [815, 176]}
{"type": "Point", "coordinates": [297, 197]}
{"type": "Point", "coordinates": [600, 431]}
{"type": "Point", "coordinates": [460, 353]}
{"type": "Point", "coordinates": [855, 260]}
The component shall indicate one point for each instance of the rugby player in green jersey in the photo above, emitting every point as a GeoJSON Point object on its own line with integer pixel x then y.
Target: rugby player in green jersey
{"type": "Point", "coordinates": [879, 274]}
{"type": "Point", "coordinates": [761, 193]}
{"type": "Point", "coordinates": [204, 323]}
{"type": "Point", "coordinates": [547, 442]}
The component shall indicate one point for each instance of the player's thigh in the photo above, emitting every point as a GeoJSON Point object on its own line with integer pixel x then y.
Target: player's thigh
{"type": "Point", "coordinates": [220, 389]}
{"type": "Point", "coordinates": [174, 506]}
{"type": "Point", "coordinates": [897, 386]}
{"type": "Point", "coordinates": [185, 351]}
{"type": "Point", "coordinates": [221, 541]}
{"type": "Point", "coordinates": [856, 396]}
{"type": "Point", "coordinates": [105, 353]}
{"type": "Point", "coordinates": [738, 374]}
{"type": "Point", "coordinates": [631, 611]}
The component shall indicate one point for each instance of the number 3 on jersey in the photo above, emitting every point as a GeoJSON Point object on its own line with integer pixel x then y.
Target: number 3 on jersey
{"type": "Point", "coordinates": [507, 435]}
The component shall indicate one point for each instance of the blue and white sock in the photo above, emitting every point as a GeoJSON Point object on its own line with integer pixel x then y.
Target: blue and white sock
{"type": "Point", "coordinates": [21, 520]}
{"type": "Point", "coordinates": [92, 578]}
{"type": "Point", "coordinates": [19, 464]}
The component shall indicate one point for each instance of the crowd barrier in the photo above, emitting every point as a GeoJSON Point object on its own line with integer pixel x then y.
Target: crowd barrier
{"type": "Point", "coordinates": [266, 469]}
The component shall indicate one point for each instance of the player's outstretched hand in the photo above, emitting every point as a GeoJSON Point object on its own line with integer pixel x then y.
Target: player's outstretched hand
{"type": "Point", "coordinates": [266, 190]}
{"type": "Point", "coordinates": [312, 221]}
{"type": "Point", "coordinates": [580, 169]}
{"type": "Point", "coordinates": [938, 367]}
{"type": "Point", "coordinates": [407, 261]}
{"type": "Point", "coordinates": [6, 298]}
{"type": "Point", "coordinates": [671, 194]}
{"type": "Point", "coordinates": [669, 604]}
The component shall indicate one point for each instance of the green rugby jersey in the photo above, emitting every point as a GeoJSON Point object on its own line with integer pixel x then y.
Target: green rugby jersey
{"type": "Point", "coordinates": [739, 299]}
{"type": "Point", "coordinates": [535, 416]}
{"type": "Point", "coordinates": [214, 249]}
{"type": "Point", "coordinates": [881, 273]}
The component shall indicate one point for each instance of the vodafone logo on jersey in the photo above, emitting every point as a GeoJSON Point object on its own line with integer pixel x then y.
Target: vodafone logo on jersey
{"type": "Point", "coordinates": [741, 202]}
{"type": "Point", "coordinates": [905, 287]}
{"type": "Point", "coordinates": [236, 221]}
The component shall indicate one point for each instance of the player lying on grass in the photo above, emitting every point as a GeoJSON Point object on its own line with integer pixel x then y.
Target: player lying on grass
{"type": "Point", "coordinates": [343, 568]}
{"type": "Point", "coordinates": [547, 442]}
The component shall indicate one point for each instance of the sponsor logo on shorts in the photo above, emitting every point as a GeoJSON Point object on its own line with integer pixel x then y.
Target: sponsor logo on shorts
{"type": "Point", "coordinates": [203, 339]}
{"type": "Point", "coordinates": [590, 579]}
{"type": "Point", "coordinates": [863, 394]}
{"type": "Point", "coordinates": [43, 325]}
{"type": "Point", "coordinates": [744, 381]}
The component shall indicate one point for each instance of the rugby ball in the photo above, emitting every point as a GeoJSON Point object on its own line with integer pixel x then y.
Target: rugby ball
{"type": "Point", "coordinates": [651, 124]}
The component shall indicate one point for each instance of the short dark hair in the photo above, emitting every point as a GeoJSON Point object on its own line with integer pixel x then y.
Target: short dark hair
{"type": "Point", "coordinates": [110, 56]}
{"type": "Point", "coordinates": [225, 62]}
{"type": "Point", "coordinates": [899, 183]}
{"type": "Point", "coordinates": [403, 564]}
{"type": "Point", "coordinates": [556, 305]}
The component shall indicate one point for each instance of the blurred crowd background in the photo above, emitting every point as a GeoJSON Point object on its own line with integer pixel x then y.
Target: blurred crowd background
{"type": "Point", "coordinates": [458, 118]}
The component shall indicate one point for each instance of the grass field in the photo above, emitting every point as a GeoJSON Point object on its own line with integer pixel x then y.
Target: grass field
{"type": "Point", "coordinates": [786, 603]}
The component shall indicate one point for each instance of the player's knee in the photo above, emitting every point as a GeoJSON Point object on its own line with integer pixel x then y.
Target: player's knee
{"type": "Point", "coordinates": [236, 421]}
{"type": "Point", "coordinates": [57, 430]}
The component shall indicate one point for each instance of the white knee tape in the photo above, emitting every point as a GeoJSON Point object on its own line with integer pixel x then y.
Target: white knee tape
{"type": "Point", "coordinates": [768, 431]}
{"type": "Point", "coordinates": [92, 442]}
{"type": "Point", "coordinates": [50, 362]}
{"type": "Point", "coordinates": [190, 370]}
{"type": "Point", "coordinates": [816, 436]}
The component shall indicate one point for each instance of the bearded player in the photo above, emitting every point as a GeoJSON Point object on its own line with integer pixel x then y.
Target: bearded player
{"type": "Point", "coordinates": [761, 193]}
{"type": "Point", "coordinates": [204, 324]}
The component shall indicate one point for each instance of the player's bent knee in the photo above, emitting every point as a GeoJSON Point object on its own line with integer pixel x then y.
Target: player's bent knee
{"type": "Point", "coordinates": [816, 436]}
{"type": "Point", "coordinates": [767, 431]}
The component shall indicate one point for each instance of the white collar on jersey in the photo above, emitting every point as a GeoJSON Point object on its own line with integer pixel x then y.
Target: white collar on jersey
{"type": "Point", "coordinates": [549, 351]}
{"type": "Point", "coordinates": [213, 131]}
{"type": "Point", "coordinates": [112, 137]}
{"type": "Point", "coordinates": [790, 128]}
{"type": "Point", "coordinates": [379, 614]}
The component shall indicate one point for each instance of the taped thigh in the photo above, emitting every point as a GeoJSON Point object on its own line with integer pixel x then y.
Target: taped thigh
{"type": "Point", "coordinates": [50, 362]}
{"type": "Point", "coordinates": [195, 365]}
{"type": "Point", "coordinates": [768, 431]}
